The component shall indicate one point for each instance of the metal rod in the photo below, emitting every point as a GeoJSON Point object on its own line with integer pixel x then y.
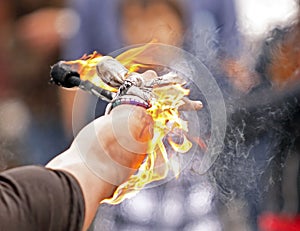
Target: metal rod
{"type": "Point", "coordinates": [62, 75]}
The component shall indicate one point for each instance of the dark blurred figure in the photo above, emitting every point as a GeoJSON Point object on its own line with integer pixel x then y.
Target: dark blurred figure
{"type": "Point", "coordinates": [280, 65]}
{"type": "Point", "coordinates": [10, 133]}
{"type": "Point", "coordinates": [258, 172]}
{"type": "Point", "coordinates": [33, 34]}
{"type": "Point", "coordinates": [38, 43]}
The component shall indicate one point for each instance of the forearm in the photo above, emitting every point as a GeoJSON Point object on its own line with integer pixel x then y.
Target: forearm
{"type": "Point", "coordinates": [94, 188]}
{"type": "Point", "coordinates": [106, 153]}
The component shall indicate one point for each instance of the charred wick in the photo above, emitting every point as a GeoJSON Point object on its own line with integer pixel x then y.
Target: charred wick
{"type": "Point", "coordinates": [62, 75]}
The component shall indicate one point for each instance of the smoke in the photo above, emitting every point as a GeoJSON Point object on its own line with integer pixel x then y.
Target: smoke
{"type": "Point", "coordinates": [260, 134]}
{"type": "Point", "coordinates": [261, 131]}
{"type": "Point", "coordinates": [246, 177]}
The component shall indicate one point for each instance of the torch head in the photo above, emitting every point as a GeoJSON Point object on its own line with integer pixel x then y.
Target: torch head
{"type": "Point", "coordinates": [62, 75]}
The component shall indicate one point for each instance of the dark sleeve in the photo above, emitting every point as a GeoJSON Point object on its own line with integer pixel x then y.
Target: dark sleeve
{"type": "Point", "coordinates": [37, 198]}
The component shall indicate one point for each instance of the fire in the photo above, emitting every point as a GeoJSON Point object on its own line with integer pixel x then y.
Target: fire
{"type": "Point", "coordinates": [130, 58]}
{"type": "Point", "coordinates": [86, 67]}
{"type": "Point", "coordinates": [170, 131]}
{"type": "Point", "coordinates": [157, 164]}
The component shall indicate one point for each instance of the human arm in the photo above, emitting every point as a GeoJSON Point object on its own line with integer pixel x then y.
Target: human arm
{"type": "Point", "coordinates": [66, 195]}
{"type": "Point", "coordinates": [36, 198]}
{"type": "Point", "coordinates": [112, 162]}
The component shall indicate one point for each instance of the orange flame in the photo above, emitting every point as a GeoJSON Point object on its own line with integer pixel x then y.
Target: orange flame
{"type": "Point", "coordinates": [165, 114]}
{"type": "Point", "coordinates": [157, 164]}
{"type": "Point", "coordinates": [131, 58]}
{"type": "Point", "coordinates": [86, 67]}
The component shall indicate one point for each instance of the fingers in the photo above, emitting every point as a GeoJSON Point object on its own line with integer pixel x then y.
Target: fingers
{"type": "Point", "coordinates": [111, 71]}
{"type": "Point", "coordinates": [131, 131]}
{"type": "Point", "coordinates": [148, 75]}
{"type": "Point", "coordinates": [138, 121]}
{"type": "Point", "coordinates": [114, 146]}
{"type": "Point", "coordinates": [190, 105]}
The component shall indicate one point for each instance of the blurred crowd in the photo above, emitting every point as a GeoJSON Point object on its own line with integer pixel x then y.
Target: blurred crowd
{"type": "Point", "coordinates": [30, 113]}
{"type": "Point", "coordinates": [258, 170]}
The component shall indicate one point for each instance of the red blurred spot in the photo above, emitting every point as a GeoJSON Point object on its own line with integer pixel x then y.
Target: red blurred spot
{"type": "Point", "coordinates": [276, 222]}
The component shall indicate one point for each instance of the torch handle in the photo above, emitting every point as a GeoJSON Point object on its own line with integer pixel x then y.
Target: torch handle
{"type": "Point", "coordinates": [97, 91]}
{"type": "Point", "coordinates": [63, 75]}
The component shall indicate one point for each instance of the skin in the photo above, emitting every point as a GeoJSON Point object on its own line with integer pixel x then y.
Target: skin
{"type": "Point", "coordinates": [118, 162]}
{"type": "Point", "coordinates": [138, 25]}
{"type": "Point", "coordinates": [109, 150]}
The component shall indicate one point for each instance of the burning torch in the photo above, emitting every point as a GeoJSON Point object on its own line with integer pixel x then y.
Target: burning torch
{"type": "Point", "coordinates": [162, 96]}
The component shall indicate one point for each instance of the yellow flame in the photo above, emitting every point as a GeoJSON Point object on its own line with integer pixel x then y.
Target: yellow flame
{"type": "Point", "coordinates": [157, 163]}
{"type": "Point", "coordinates": [86, 67]}
{"type": "Point", "coordinates": [165, 114]}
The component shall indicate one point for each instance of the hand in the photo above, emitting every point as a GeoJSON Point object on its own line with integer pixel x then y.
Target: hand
{"type": "Point", "coordinates": [106, 153]}
{"type": "Point", "coordinates": [114, 145]}
{"type": "Point", "coordinates": [138, 85]}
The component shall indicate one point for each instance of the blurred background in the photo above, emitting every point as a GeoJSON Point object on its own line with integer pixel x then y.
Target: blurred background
{"type": "Point", "coordinates": [252, 48]}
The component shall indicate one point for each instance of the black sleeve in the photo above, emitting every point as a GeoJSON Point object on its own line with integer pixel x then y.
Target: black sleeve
{"type": "Point", "coordinates": [37, 198]}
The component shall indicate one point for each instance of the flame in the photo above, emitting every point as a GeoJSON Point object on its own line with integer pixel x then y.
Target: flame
{"type": "Point", "coordinates": [165, 114]}
{"type": "Point", "coordinates": [131, 59]}
{"type": "Point", "coordinates": [168, 126]}
{"type": "Point", "coordinates": [86, 67]}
